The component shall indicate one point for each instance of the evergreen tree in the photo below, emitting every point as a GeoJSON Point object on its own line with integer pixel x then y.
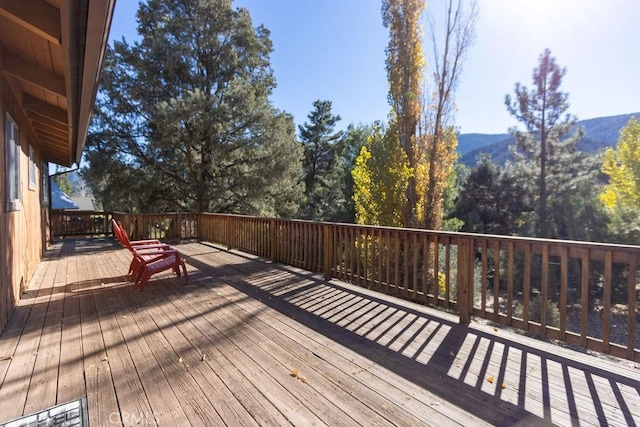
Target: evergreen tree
{"type": "Point", "coordinates": [62, 180]}
{"type": "Point", "coordinates": [186, 109]}
{"type": "Point", "coordinates": [322, 177]}
{"type": "Point", "coordinates": [490, 201]}
{"type": "Point", "coordinates": [543, 153]}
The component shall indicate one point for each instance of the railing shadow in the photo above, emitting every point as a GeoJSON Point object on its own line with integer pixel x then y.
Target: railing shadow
{"type": "Point", "coordinates": [500, 377]}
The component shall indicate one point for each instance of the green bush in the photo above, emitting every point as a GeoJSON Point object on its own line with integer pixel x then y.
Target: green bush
{"type": "Point", "coordinates": [535, 310]}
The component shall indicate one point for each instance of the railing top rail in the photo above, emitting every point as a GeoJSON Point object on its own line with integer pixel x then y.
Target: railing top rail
{"type": "Point", "coordinates": [76, 211]}
{"type": "Point", "coordinates": [457, 234]}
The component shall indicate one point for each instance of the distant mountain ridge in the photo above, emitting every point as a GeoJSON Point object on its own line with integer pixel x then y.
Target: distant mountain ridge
{"type": "Point", "coordinates": [599, 133]}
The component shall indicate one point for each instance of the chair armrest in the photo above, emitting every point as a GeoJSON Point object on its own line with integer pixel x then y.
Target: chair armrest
{"type": "Point", "coordinates": [144, 242]}
{"type": "Point", "coordinates": [146, 247]}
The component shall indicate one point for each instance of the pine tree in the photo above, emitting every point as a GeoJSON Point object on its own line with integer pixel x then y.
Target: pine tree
{"type": "Point", "coordinates": [187, 110]}
{"type": "Point", "coordinates": [545, 156]}
{"type": "Point", "coordinates": [322, 169]}
{"type": "Point", "coordinates": [61, 178]}
{"type": "Point", "coordinates": [491, 201]}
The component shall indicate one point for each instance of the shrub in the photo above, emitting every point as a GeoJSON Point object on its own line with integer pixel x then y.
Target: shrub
{"type": "Point", "coordinates": [535, 310]}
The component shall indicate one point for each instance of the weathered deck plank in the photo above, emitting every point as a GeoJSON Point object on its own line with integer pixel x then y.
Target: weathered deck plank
{"type": "Point", "coordinates": [378, 394]}
{"type": "Point", "coordinates": [100, 389]}
{"type": "Point", "coordinates": [286, 359]}
{"type": "Point", "coordinates": [221, 351]}
{"type": "Point", "coordinates": [15, 387]}
{"type": "Point", "coordinates": [132, 400]}
{"type": "Point", "coordinates": [71, 361]}
{"type": "Point", "coordinates": [244, 400]}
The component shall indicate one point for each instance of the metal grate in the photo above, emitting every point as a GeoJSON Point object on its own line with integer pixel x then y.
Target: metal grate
{"type": "Point", "coordinates": [70, 414]}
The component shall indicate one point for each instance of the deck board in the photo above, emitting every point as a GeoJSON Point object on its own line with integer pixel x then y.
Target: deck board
{"type": "Point", "coordinates": [99, 385]}
{"type": "Point", "coordinates": [310, 358]}
{"type": "Point", "coordinates": [221, 351]}
{"type": "Point", "coordinates": [18, 379]}
{"type": "Point", "coordinates": [288, 356]}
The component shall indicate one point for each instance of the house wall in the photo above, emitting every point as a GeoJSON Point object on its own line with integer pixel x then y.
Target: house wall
{"type": "Point", "coordinates": [24, 232]}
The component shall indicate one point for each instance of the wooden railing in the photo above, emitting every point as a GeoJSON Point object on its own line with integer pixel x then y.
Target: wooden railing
{"type": "Point", "coordinates": [80, 223]}
{"type": "Point", "coordinates": [169, 227]}
{"type": "Point", "coordinates": [581, 293]}
{"type": "Point", "coordinates": [584, 294]}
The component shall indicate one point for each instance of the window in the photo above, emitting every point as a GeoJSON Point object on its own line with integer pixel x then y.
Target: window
{"type": "Point", "coordinates": [32, 168]}
{"type": "Point", "coordinates": [44, 174]}
{"type": "Point", "coordinates": [12, 141]}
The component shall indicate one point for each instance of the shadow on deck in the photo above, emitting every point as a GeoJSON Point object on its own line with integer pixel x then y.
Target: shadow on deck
{"type": "Point", "coordinates": [499, 376]}
{"type": "Point", "coordinates": [226, 348]}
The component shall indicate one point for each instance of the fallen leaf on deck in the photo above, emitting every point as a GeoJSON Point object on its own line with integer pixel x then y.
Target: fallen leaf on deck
{"type": "Point", "coordinates": [495, 328]}
{"type": "Point", "coordinates": [296, 374]}
{"type": "Point", "coordinates": [490, 379]}
{"type": "Point", "coordinates": [452, 354]}
{"type": "Point", "coordinates": [504, 385]}
{"type": "Point", "coordinates": [204, 356]}
{"type": "Point", "coordinates": [179, 359]}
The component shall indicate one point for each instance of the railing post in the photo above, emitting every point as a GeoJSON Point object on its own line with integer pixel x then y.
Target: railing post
{"type": "Point", "coordinates": [328, 246]}
{"type": "Point", "coordinates": [465, 279]}
{"type": "Point", "coordinates": [228, 231]}
{"type": "Point", "coordinates": [138, 227]}
{"type": "Point", "coordinates": [199, 226]}
{"type": "Point", "coordinates": [273, 234]}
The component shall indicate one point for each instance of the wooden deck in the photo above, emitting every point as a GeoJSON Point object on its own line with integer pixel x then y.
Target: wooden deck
{"type": "Point", "coordinates": [222, 351]}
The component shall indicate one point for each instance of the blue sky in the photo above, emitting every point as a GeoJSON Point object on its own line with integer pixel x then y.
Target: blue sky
{"type": "Point", "coordinates": [334, 50]}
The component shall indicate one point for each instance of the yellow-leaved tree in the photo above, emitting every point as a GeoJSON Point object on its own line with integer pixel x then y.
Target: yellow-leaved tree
{"type": "Point", "coordinates": [381, 177]}
{"type": "Point", "coordinates": [405, 68]}
{"type": "Point", "coordinates": [622, 164]}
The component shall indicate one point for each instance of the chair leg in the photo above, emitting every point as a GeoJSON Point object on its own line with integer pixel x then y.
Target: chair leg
{"type": "Point", "coordinates": [144, 279]}
{"type": "Point", "coordinates": [184, 269]}
{"type": "Point", "coordinates": [137, 273]}
{"type": "Point", "coordinates": [144, 273]}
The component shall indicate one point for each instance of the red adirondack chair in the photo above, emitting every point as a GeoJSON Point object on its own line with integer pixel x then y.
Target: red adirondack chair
{"type": "Point", "coordinates": [148, 250]}
{"type": "Point", "coordinates": [172, 261]}
{"type": "Point", "coordinates": [149, 257]}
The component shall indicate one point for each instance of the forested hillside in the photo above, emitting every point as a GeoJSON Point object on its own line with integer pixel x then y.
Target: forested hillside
{"type": "Point", "coordinates": [599, 133]}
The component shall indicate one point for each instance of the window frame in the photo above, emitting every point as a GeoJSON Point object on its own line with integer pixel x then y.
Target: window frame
{"type": "Point", "coordinates": [44, 178]}
{"type": "Point", "coordinates": [32, 168]}
{"type": "Point", "coordinates": [13, 147]}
